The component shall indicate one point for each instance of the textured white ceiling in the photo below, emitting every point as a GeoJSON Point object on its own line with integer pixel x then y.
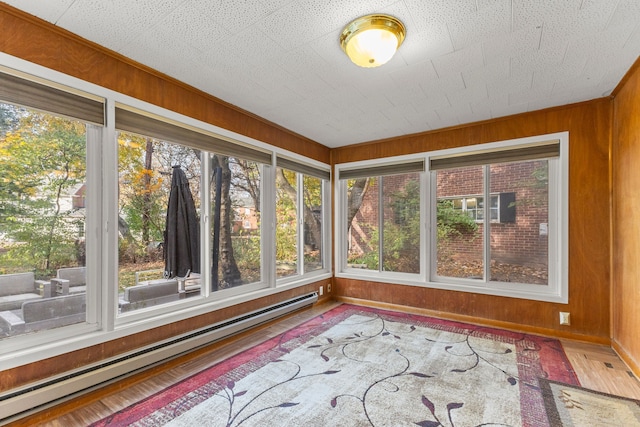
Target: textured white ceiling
{"type": "Point", "coordinates": [462, 61]}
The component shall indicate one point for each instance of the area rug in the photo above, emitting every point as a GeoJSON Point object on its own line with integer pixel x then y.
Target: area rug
{"type": "Point", "coordinates": [571, 405]}
{"type": "Point", "coordinates": [359, 366]}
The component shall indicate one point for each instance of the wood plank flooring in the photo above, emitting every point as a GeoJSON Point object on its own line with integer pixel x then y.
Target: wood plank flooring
{"type": "Point", "coordinates": [597, 367]}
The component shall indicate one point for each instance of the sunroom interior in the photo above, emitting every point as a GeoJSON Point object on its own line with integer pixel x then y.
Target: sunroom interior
{"type": "Point", "coordinates": [516, 220]}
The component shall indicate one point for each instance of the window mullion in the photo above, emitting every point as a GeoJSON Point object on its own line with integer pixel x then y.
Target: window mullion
{"type": "Point", "coordinates": [109, 232]}
{"type": "Point", "coordinates": [425, 228]}
{"type": "Point", "coordinates": [205, 224]}
{"type": "Point", "coordinates": [486, 240]}
{"type": "Point", "coordinates": [268, 225]}
{"type": "Point", "coordinates": [433, 235]}
{"type": "Point", "coordinates": [326, 227]}
{"type": "Point", "coordinates": [340, 214]}
{"type": "Point", "coordinates": [380, 222]}
{"type": "Point", "coordinates": [300, 215]}
{"type": "Point", "coordinates": [93, 221]}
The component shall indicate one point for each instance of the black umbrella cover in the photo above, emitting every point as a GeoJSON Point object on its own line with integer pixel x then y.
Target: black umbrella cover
{"type": "Point", "coordinates": [182, 229]}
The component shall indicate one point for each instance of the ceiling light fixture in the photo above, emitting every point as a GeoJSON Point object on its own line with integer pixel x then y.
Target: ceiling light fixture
{"type": "Point", "coordinates": [372, 40]}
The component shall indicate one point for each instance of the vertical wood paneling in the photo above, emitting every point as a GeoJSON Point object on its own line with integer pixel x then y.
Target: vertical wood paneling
{"type": "Point", "coordinates": [589, 127]}
{"type": "Point", "coordinates": [626, 219]}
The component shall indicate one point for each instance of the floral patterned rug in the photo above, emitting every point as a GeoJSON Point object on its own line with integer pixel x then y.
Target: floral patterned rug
{"type": "Point", "coordinates": [359, 366]}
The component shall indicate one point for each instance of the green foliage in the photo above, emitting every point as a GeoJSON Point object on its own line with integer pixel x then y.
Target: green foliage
{"type": "Point", "coordinates": [452, 222]}
{"type": "Point", "coordinates": [43, 162]}
{"type": "Point", "coordinates": [536, 185]}
{"type": "Point", "coordinates": [9, 118]}
{"type": "Point", "coordinates": [401, 245]}
{"type": "Point", "coordinates": [286, 218]}
{"type": "Point", "coordinates": [143, 192]}
{"type": "Point", "coordinates": [401, 241]}
{"type": "Point", "coordinates": [312, 191]}
{"type": "Point", "coordinates": [246, 250]}
{"type": "Point", "coordinates": [370, 259]}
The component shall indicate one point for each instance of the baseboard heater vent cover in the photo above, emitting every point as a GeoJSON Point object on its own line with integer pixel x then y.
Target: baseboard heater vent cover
{"type": "Point", "coordinates": [38, 396]}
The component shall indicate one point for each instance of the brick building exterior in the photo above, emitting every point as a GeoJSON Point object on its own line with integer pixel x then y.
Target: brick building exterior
{"type": "Point", "coordinates": [518, 209]}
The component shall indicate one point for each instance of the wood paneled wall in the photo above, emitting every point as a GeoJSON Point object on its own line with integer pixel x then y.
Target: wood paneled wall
{"type": "Point", "coordinates": [626, 219]}
{"type": "Point", "coordinates": [589, 126]}
{"type": "Point", "coordinates": [37, 41]}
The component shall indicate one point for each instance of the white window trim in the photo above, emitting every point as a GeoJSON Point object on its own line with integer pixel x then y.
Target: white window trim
{"type": "Point", "coordinates": [556, 291]}
{"type": "Point", "coordinates": [340, 210]}
{"type": "Point", "coordinates": [326, 234]}
{"type": "Point", "coordinates": [103, 322]}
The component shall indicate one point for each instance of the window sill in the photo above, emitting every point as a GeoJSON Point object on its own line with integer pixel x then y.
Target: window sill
{"type": "Point", "coordinates": [22, 350]}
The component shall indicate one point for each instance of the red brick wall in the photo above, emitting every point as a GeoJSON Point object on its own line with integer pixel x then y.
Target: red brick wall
{"type": "Point", "coordinates": [517, 242]}
{"type": "Point", "coordinates": [513, 242]}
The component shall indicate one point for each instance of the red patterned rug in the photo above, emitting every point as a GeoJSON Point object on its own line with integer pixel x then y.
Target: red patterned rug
{"type": "Point", "coordinates": [359, 366]}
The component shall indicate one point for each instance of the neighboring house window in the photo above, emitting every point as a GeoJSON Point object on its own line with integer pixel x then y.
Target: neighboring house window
{"type": "Point", "coordinates": [501, 208]}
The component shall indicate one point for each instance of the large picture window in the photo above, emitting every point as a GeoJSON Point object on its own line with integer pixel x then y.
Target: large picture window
{"type": "Point", "coordinates": [154, 176]}
{"type": "Point", "coordinates": [496, 214]}
{"type": "Point", "coordinates": [300, 218]}
{"type": "Point", "coordinates": [167, 191]}
{"type": "Point", "coordinates": [46, 137]}
{"type": "Point", "coordinates": [515, 245]}
{"type": "Point", "coordinates": [517, 248]}
{"type": "Point", "coordinates": [118, 217]}
{"type": "Point", "coordinates": [382, 217]}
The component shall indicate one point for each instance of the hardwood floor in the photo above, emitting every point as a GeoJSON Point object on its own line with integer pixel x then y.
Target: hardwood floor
{"type": "Point", "coordinates": [597, 367]}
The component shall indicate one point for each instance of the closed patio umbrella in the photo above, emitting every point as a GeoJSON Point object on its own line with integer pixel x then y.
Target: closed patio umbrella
{"type": "Point", "coordinates": [182, 230]}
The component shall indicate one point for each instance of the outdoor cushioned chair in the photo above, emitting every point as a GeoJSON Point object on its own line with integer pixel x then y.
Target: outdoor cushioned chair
{"type": "Point", "coordinates": [150, 293]}
{"type": "Point", "coordinates": [44, 313]}
{"type": "Point", "coordinates": [70, 280]}
{"type": "Point", "coordinates": [17, 288]}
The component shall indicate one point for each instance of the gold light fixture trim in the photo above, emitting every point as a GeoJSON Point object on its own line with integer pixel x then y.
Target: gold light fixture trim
{"type": "Point", "coordinates": [372, 40]}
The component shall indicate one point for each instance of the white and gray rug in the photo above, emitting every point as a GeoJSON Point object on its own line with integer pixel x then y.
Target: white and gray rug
{"type": "Point", "coordinates": [356, 366]}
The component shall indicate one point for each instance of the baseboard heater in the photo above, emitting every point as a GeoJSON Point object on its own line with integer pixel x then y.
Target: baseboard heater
{"type": "Point", "coordinates": [35, 397]}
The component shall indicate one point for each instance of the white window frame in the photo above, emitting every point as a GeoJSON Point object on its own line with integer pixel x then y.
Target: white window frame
{"type": "Point", "coordinates": [301, 274]}
{"type": "Point", "coordinates": [556, 291]}
{"type": "Point", "coordinates": [341, 242]}
{"type": "Point", "coordinates": [103, 324]}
